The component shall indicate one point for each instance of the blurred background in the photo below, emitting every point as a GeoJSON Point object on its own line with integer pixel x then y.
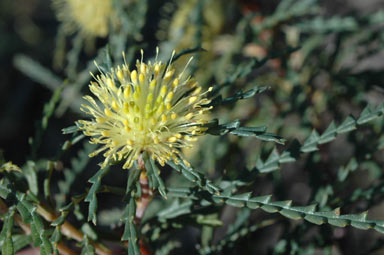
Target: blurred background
{"type": "Point", "coordinates": [322, 61]}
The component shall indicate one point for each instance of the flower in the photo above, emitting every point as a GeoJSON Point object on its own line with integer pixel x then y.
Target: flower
{"type": "Point", "coordinates": [150, 109]}
{"type": "Point", "coordinates": [91, 17]}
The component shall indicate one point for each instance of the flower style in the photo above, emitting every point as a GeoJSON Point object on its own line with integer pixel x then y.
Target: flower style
{"type": "Point", "coordinates": [91, 17]}
{"type": "Point", "coordinates": [151, 108]}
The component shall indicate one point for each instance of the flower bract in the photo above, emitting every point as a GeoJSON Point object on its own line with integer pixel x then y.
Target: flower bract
{"type": "Point", "coordinates": [152, 108]}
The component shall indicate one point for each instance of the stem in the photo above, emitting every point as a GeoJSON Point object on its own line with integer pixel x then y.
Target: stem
{"type": "Point", "coordinates": [66, 229]}
{"type": "Point", "coordinates": [63, 249]}
{"type": "Point", "coordinates": [143, 202]}
{"type": "Point", "coordinates": [70, 231]}
{"type": "Point", "coordinates": [146, 192]}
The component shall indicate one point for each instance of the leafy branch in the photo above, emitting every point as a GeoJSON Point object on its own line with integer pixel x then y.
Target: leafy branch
{"type": "Point", "coordinates": [311, 144]}
{"type": "Point", "coordinates": [286, 209]}
{"type": "Point", "coordinates": [234, 128]}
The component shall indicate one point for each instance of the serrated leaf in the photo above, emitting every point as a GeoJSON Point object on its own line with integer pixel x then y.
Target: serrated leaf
{"type": "Point", "coordinates": [92, 208]}
{"type": "Point", "coordinates": [329, 134]}
{"type": "Point", "coordinates": [87, 249]}
{"type": "Point", "coordinates": [338, 222]}
{"type": "Point", "coordinates": [379, 229]}
{"type": "Point", "coordinates": [6, 234]}
{"type": "Point", "coordinates": [175, 209]}
{"type": "Point", "coordinates": [284, 204]}
{"type": "Point", "coordinates": [7, 247]}
{"type": "Point", "coordinates": [273, 157]}
{"type": "Point", "coordinates": [35, 234]}
{"type": "Point", "coordinates": [91, 196]}
{"type": "Point", "coordinates": [252, 204]}
{"type": "Point", "coordinates": [30, 173]}
{"type": "Point", "coordinates": [348, 124]}
{"type": "Point", "coordinates": [218, 199]}
{"type": "Point", "coordinates": [4, 191]}
{"type": "Point", "coordinates": [89, 231]}
{"type": "Point", "coordinates": [269, 137]}
{"type": "Point", "coordinates": [270, 208]}
{"type": "Point", "coordinates": [306, 209]}
{"type": "Point", "coordinates": [367, 114]}
{"type": "Point", "coordinates": [159, 181]}
{"type": "Point", "coordinates": [59, 221]}
{"type": "Point", "coordinates": [21, 241]}
{"type": "Point", "coordinates": [25, 215]}
{"type": "Point", "coordinates": [99, 175]}
{"type": "Point", "coordinates": [315, 219]}
{"type": "Point", "coordinates": [356, 217]}
{"type": "Point", "coordinates": [291, 214]}
{"type": "Point", "coordinates": [56, 236]}
{"type": "Point", "coordinates": [239, 95]}
{"type": "Point", "coordinates": [361, 225]}
{"type": "Point", "coordinates": [130, 234]}
{"type": "Point", "coordinates": [238, 200]}
{"type": "Point", "coordinates": [286, 157]}
{"type": "Point", "coordinates": [330, 214]}
{"type": "Point", "coordinates": [261, 199]}
{"type": "Point", "coordinates": [38, 222]}
{"type": "Point", "coordinates": [311, 143]}
{"type": "Point", "coordinates": [266, 168]}
{"type": "Point", "coordinates": [46, 246]}
{"type": "Point", "coordinates": [189, 175]}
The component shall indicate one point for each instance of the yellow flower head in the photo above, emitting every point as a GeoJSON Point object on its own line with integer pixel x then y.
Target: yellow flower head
{"type": "Point", "coordinates": [151, 108]}
{"type": "Point", "coordinates": [91, 17]}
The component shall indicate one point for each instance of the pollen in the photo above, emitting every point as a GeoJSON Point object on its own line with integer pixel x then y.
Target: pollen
{"type": "Point", "coordinates": [138, 110]}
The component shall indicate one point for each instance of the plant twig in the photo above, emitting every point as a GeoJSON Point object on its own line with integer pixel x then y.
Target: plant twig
{"type": "Point", "coordinates": [66, 229]}
{"type": "Point", "coordinates": [143, 202]}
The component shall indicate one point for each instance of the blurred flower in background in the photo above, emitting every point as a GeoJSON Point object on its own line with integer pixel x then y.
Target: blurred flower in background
{"type": "Point", "coordinates": [90, 17]}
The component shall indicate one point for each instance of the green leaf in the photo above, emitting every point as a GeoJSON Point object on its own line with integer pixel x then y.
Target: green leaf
{"type": "Point", "coordinates": [87, 248]}
{"type": "Point", "coordinates": [133, 177]}
{"type": "Point", "coordinates": [35, 233]}
{"type": "Point", "coordinates": [270, 208]}
{"type": "Point", "coordinates": [7, 247]}
{"type": "Point", "coordinates": [238, 200]}
{"type": "Point", "coordinates": [311, 143]}
{"type": "Point", "coordinates": [130, 234]}
{"type": "Point", "coordinates": [329, 134]}
{"type": "Point", "coordinates": [153, 173]}
{"type": "Point", "coordinates": [91, 196]}
{"type": "Point", "coordinates": [348, 125]}
{"type": "Point", "coordinates": [214, 128]}
{"type": "Point", "coordinates": [46, 246]}
{"type": "Point", "coordinates": [25, 215]}
{"type": "Point", "coordinates": [56, 236]}
{"type": "Point", "coordinates": [309, 213]}
{"type": "Point", "coordinates": [175, 209]}
{"type": "Point", "coordinates": [70, 130]}
{"type": "Point", "coordinates": [314, 219]}
{"type": "Point", "coordinates": [30, 173]}
{"type": "Point", "coordinates": [368, 114]}
{"type": "Point", "coordinates": [21, 241]}
{"type": "Point", "coordinates": [291, 214]}
{"type": "Point", "coordinates": [338, 222]}
{"type": "Point", "coordinates": [78, 165]}
{"type": "Point", "coordinates": [6, 234]}
{"type": "Point", "coordinates": [239, 95]}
